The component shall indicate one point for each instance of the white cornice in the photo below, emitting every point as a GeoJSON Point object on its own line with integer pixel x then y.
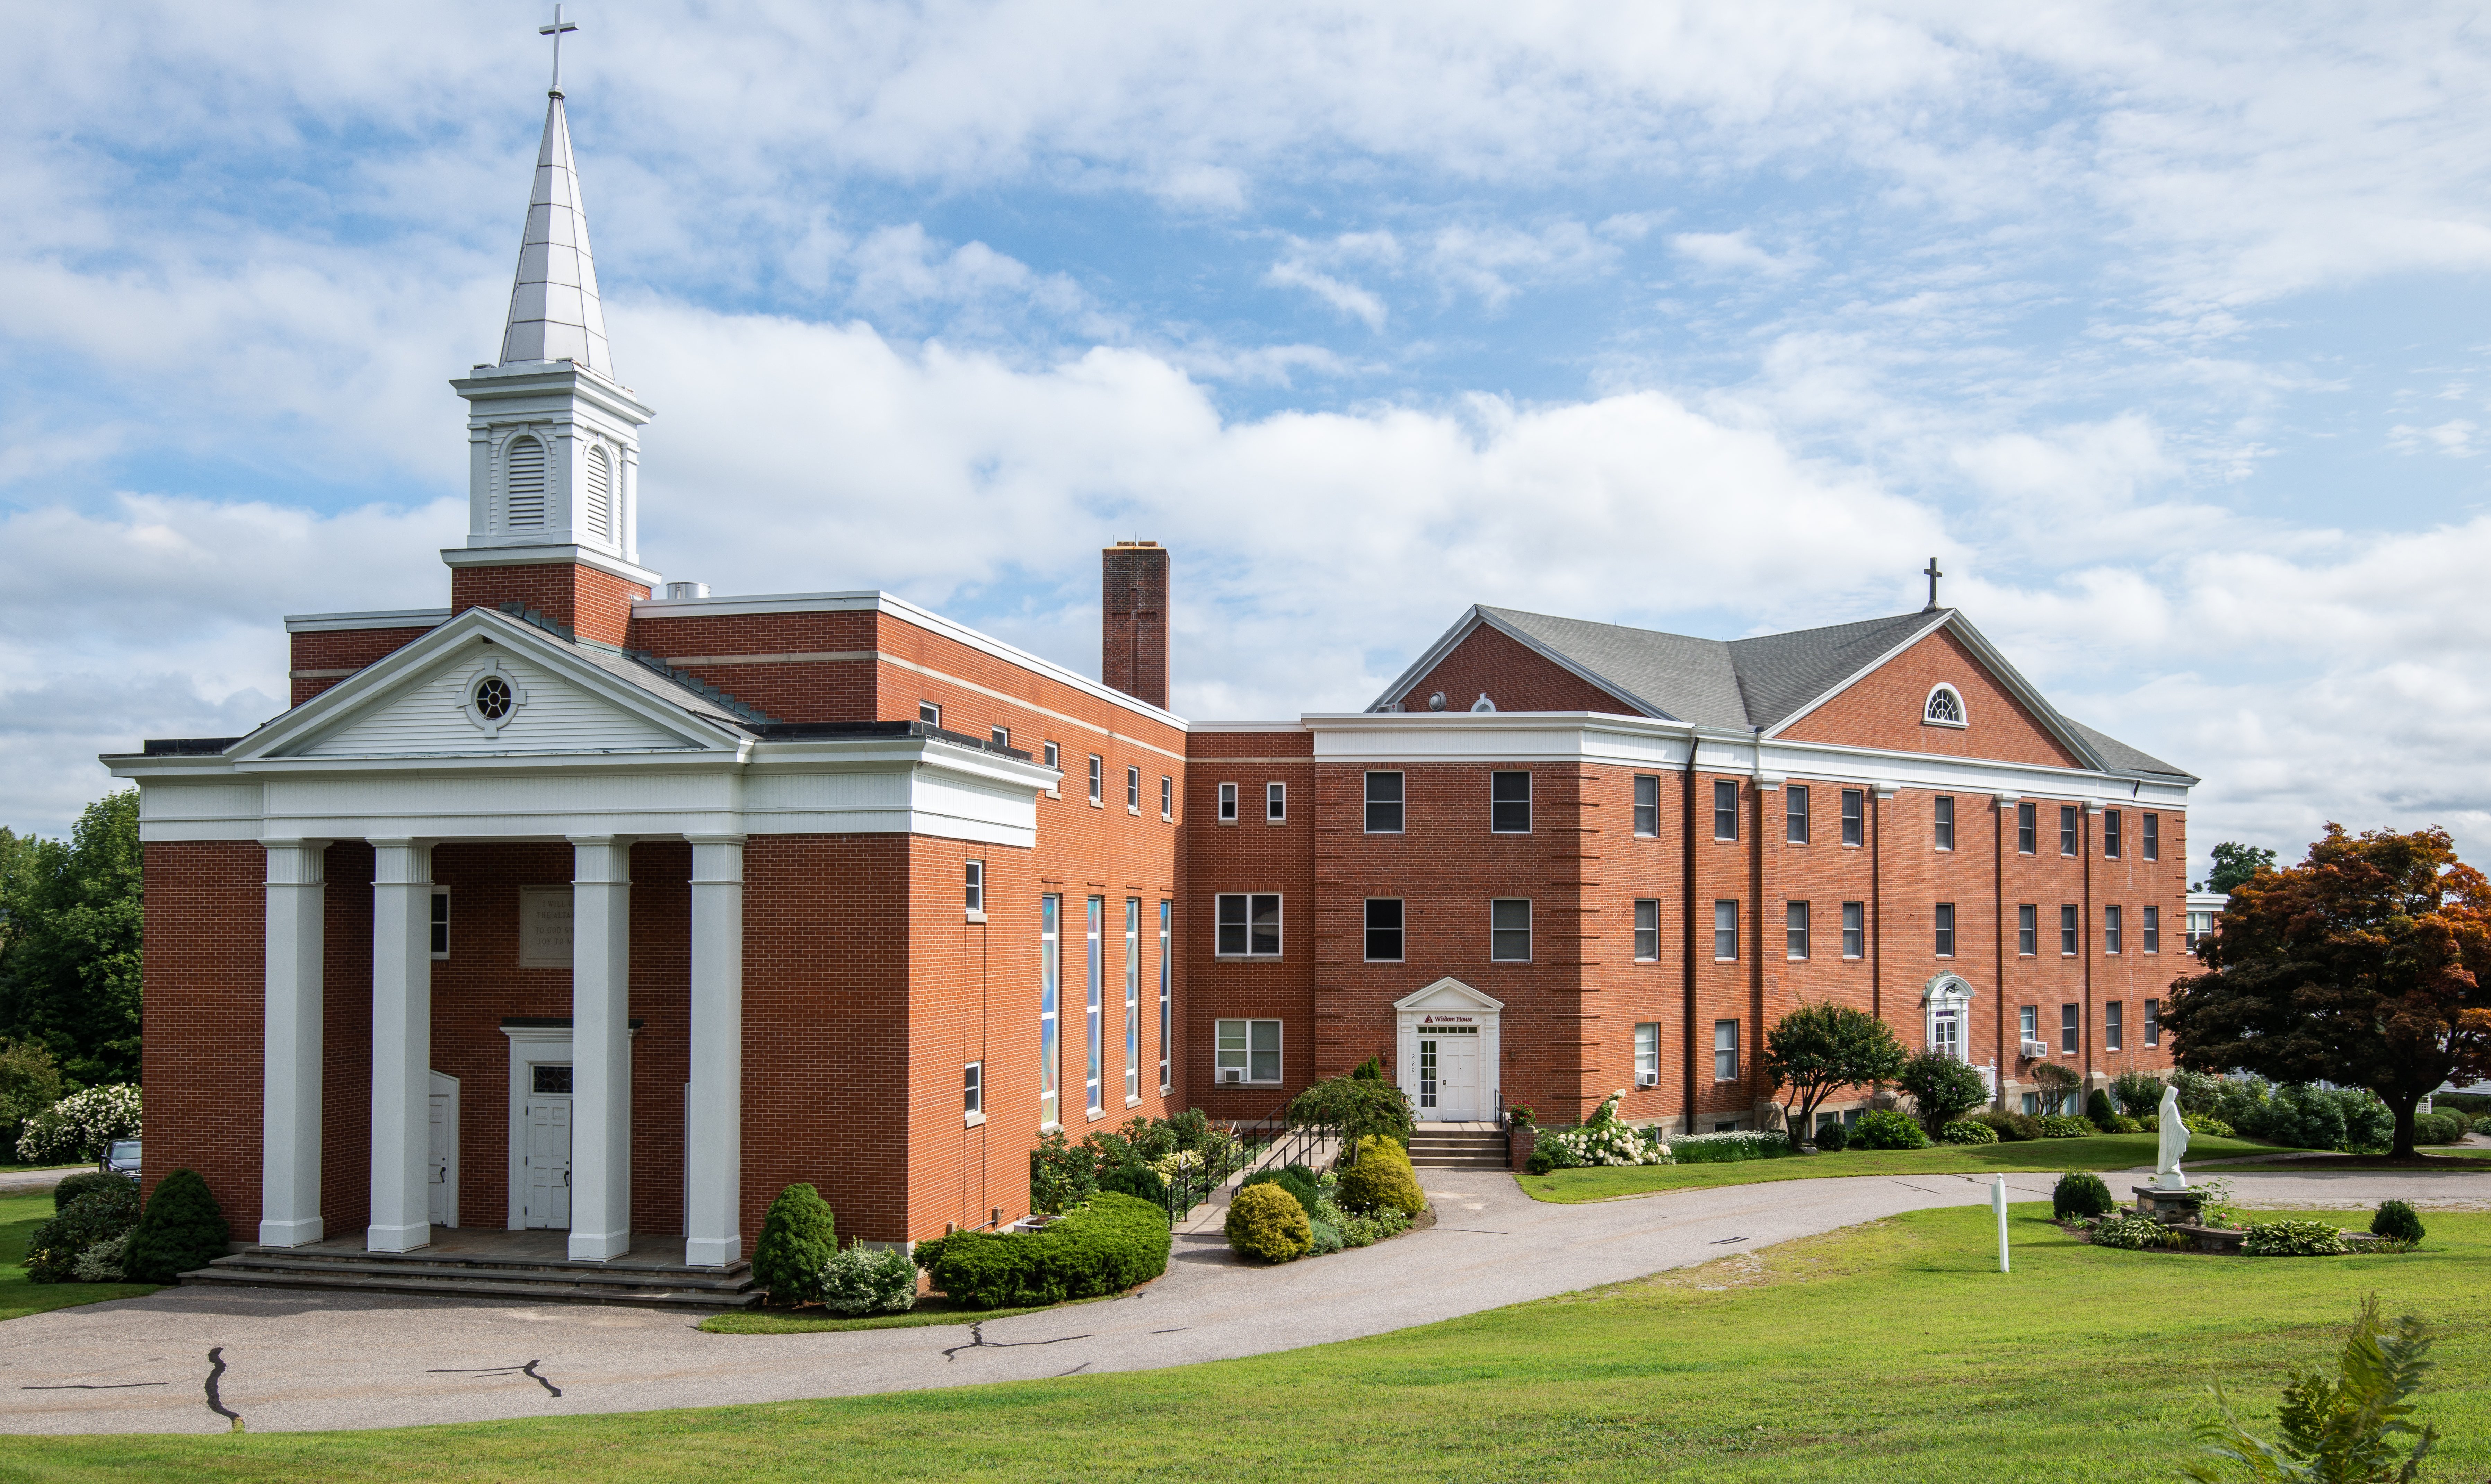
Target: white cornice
{"type": "Point", "coordinates": [387, 617]}
{"type": "Point", "coordinates": [550, 556]}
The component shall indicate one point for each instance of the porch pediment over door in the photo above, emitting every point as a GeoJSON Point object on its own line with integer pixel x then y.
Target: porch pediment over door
{"type": "Point", "coordinates": [1449, 995]}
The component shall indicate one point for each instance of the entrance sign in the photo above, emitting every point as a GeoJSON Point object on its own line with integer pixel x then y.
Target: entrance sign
{"type": "Point", "coordinates": [544, 927]}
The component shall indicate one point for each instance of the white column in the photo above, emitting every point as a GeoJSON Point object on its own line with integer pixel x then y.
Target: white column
{"type": "Point", "coordinates": [289, 1124]}
{"type": "Point", "coordinates": [402, 1043]}
{"type": "Point", "coordinates": [600, 1049]}
{"type": "Point", "coordinates": [714, 1158]}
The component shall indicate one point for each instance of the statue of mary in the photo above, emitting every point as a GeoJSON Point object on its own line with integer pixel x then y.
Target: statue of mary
{"type": "Point", "coordinates": [2175, 1143]}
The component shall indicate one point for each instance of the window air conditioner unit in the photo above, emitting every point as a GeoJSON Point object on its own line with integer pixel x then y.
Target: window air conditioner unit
{"type": "Point", "coordinates": [2037, 1049]}
{"type": "Point", "coordinates": [1232, 1074]}
{"type": "Point", "coordinates": [1648, 1079]}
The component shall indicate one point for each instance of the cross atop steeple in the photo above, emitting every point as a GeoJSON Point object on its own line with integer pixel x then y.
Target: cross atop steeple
{"type": "Point", "coordinates": [1932, 574]}
{"type": "Point", "coordinates": [555, 31]}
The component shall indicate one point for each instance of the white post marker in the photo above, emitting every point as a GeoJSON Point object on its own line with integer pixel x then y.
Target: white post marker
{"type": "Point", "coordinates": [1997, 1203]}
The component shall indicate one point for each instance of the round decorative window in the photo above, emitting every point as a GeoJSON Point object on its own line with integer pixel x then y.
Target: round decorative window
{"type": "Point", "coordinates": [492, 698]}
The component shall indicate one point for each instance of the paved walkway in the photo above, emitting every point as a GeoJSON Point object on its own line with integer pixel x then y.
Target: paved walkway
{"type": "Point", "coordinates": [293, 1361]}
{"type": "Point", "coordinates": [19, 1181]}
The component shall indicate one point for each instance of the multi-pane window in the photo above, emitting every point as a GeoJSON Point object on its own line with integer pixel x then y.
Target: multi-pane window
{"type": "Point", "coordinates": [2112, 1030]}
{"type": "Point", "coordinates": [974, 888]}
{"type": "Point", "coordinates": [1133, 789]}
{"type": "Point", "coordinates": [1795, 814]}
{"type": "Point", "coordinates": [1647, 1047]}
{"type": "Point", "coordinates": [1167, 797]}
{"type": "Point", "coordinates": [1228, 803]}
{"type": "Point", "coordinates": [1509, 802]}
{"type": "Point", "coordinates": [1247, 925]}
{"type": "Point", "coordinates": [2070, 1028]}
{"type": "Point", "coordinates": [2027, 825]}
{"type": "Point", "coordinates": [930, 713]}
{"type": "Point", "coordinates": [1275, 803]}
{"type": "Point", "coordinates": [2110, 930]}
{"type": "Point", "coordinates": [2151, 929]}
{"type": "Point", "coordinates": [1002, 735]}
{"type": "Point", "coordinates": [973, 1089]}
{"type": "Point", "coordinates": [1944, 822]}
{"type": "Point", "coordinates": [1508, 930]}
{"type": "Point", "coordinates": [1795, 929]}
{"type": "Point", "coordinates": [1943, 918]}
{"type": "Point", "coordinates": [1050, 988]}
{"type": "Point", "coordinates": [1726, 930]}
{"type": "Point", "coordinates": [1647, 929]}
{"type": "Point", "coordinates": [1725, 810]}
{"type": "Point", "coordinates": [2028, 1023]}
{"type": "Point", "coordinates": [2110, 833]}
{"type": "Point", "coordinates": [1245, 1050]}
{"type": "Point", "coordinates": [2153, 1022]}
{"type": "Point", "coordinates": [1384, 930]}
{"type": "Point", "coordinates": [1725, 1050]}
{"type": "Point", "coordinates": [1854, 930]}
{"type": "Point", "coordinates": [2027, 930]}
{"type": "Point", "coordinates": [2151, 836]}
{"type": "Point", "coordinates": [440, 923]}
{"type": "Point", "coordinates": [1051, 754]}
{"type": "Point", "coordinates": [1132, 1000]}
{"type": "Point", "coordinates": [1647, 804]}
{"type": "Point", "coordinates": [1097, 779]}
{"type": "Point", "coordinates": [1855, 805]}
{"type": "Point", "coordinates": [1095, 1007]}
{"type": "Point", "coordinates": [2067, 829]}
{"type": "Point", "coordinates": [2068, 925]}
{"type": "Point", "coordinates": [1384, 803]}
{"type": "Point", "coordinates": [1167, 997]}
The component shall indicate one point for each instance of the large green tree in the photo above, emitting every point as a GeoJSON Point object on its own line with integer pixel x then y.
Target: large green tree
{"type": "Point", "coordinates": [2234, 864]}
{"type": "Point", "coordinates": [1817, 1050]}
{"type": "Point", "coordinates": [2363, 966]}
{"type": "Point", "coordinates": [68, 942]}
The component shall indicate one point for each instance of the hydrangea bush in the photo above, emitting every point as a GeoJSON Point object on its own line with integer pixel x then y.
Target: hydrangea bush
{"type": "Point", "coordinates": [868, 1280]}
{"type": "Point", "coordinates": [1603, 1140]}
{"type": "Point", "coordinates": [80, 1125]}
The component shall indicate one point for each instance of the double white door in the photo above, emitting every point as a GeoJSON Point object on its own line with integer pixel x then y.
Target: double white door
{"type": "Point", "coordinates": [548, 1159]}
{"type": "Point", "coordinates": [1448, 1075]}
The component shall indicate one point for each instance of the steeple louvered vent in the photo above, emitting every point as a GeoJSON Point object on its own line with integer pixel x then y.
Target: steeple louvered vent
{"type": "Point", "coordinates": [523, 484]}
{"type": "Point", "coordinates": [599, 478]}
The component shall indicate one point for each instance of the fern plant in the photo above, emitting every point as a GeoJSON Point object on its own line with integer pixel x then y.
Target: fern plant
{"type": "Point", "coordinates": [2349, 1428]}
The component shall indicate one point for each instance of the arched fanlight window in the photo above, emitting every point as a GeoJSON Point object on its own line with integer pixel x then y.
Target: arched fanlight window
{"type": "Point", "coordinates": [1943, 706]}
{"type": "Point", "coordinates": [598, 480]}
{"type": "Point", "coordinates": [523, 484]}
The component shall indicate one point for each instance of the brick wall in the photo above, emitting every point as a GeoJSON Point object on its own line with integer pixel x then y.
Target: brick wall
{"type": "Point", "coordinates": [205, 931]}
{"type": "Point", "coordinates": [595, 604]}
{"type": "Point", "coordinates": [318, 656]}
{"type": "Point", "coordinates": [1883, 709]}
{"type": "Point", "coordinates": [1515, 677]}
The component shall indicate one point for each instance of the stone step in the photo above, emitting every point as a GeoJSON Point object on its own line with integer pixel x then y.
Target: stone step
{"type": "Point", "coordinates": [730, 1281]}
{"type": "Point", "coordinates": [1495, 1161]}
{"type": "Point", "coordinates": [445, 1285]}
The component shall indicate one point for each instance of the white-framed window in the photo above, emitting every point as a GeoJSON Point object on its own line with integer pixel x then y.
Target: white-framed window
{"type": "Point", "coordinates": [1133, 790]}
{"type": "Point", "coordinates": [1647, 929]}
{"type": "Point", "coordinates": [930, 713]}
{"type": "Point", "coordinates": [1246, 1051]}
{"type": "Point", "coordinates": [1050, 994]}
{"type": "Point", "coordinates": [1725, 809]}
{"type": "Point", "coordinates": [2150, 840]}
{"type": "Point", "coordinates": [1943, 920]}
{"type": "Point", "coordinates": [1051, 755]}
{"type": "Point", "coordinates": [1646, 1054]}
{"type": "Point", "coordinates": [2110, 930]}
{"type": "Point", "coordinates": [1854, 930]}
{"type": "Point", "coordinates": [1228, 803]}
{"type": "Point", "coordinates": [1854, 810]}
{"type": "Point", "coordinates": [1509, 802]}
{"type": "Point", "coordinates": [1132, 1000]}
{"type": "Point", "coordinates": [1647, 805]}
{"type": "Point", "coordinates": [1275, 803]}
{"type": "Point", "coordinates": [1944, 708]}
{"type": "Point", "coordinates": [2028, 1023]}
{"type": "Point", "coordinates": [1247, 925]}
{"type": "Point", "coordinates": [1002, 736]}
{"type": "Point", "coordinates": [1167, 994]}
{"type": "Point", "coordinates": [2027, 930]}
{"type": "Point", "coordinates": [1385, 807]}
{"type": "Point", "coordinates": [1725, 1050]}
{"type": "Point", "coordinates": [2027, 826]}
{"type": "Point", "coordinates": [1943, 820]}
{"type": "Point", "coordinates": [2113, 1014]}
{"type": "Point", "coordinates": [1383, 929]}
{"type": "Point", "coordinates": [2153, 1022]}
{"type": "Point", "coordinates": [2110, 834]}
{"type": "Point", "coordinates": [440, 923]}
{"type": "Point", "coordinates": [2067, 836]}
{"type": "Point", "coordinates": [973, 1089]}
{"type": "Point", "coordinates": [2072, 1029]}
{"type": "Point", "coordinates": [1795, 813]}
{"type": "Point", "coordinates": [1795, 929]}
{"type": "Point", "coordinates": [1725, 931]}
{"type": "Point", "coordinates": [1167, 797]}
{"type": "Point", "coordinates": [2151, 929]}
{"type": "Point", "coordinates": [2068, 927]}
{"type": "Point", "coordinates": [1508, 929]}
{"type": "Point", "coordinates": [1095, 1005]}
{"type": "Point", "coordinates": [973, 885]}
{"type": "Point", "coordinates": [1098, 781]}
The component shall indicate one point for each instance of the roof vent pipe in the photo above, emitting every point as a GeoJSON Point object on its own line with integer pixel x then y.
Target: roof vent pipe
{"type": "Point", "coordinates": [677, 592]}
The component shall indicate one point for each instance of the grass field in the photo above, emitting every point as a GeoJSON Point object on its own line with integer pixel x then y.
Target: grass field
{"type": "Point", "coordinates": [1894, 1350]}
{"type": "Point", "coordinates": [2102, 1151]}
{"type": "Point", "coordinates": [934, 1310]}
{"type": "Point", "coordinates": [19, 1215]}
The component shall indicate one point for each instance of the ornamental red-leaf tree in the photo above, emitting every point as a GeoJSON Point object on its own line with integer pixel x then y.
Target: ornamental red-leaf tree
{"type": "Point", "coordinates": [2363, 966]}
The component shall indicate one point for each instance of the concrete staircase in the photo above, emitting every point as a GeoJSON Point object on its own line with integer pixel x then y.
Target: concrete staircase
{"type": "Point", "coordinates": [1467, 1147]}
{"type": "Point", "coordinates": [464, 1272]}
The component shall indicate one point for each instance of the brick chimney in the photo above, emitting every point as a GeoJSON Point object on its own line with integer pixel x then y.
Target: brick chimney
{"type": "Point", "coordinates": [1133, 621]}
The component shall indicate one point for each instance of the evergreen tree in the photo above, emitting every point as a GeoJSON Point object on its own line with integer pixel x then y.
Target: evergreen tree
{"type": "Point", "coordinates": [181, 1229]}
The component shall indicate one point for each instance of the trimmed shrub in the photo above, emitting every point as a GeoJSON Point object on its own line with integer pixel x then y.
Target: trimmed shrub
{"type": "Point", "coordinates": [2293, 1238]}
{"type": "Point", "coordinates": [88, 1182]}
{"type": "Point", "coordinates": [2397, 1222]}
{"type": "Point", "coordinates": [2097, 1107]}
{"type": "Point", "coordinates": [97, 1216]}
{"type": "Point", "coordinates": [2139, 1095]}
{"type": "Point", "coordinates": [1140, 1181]}
{"type": "Point", "coordinates": [1061, 1175]}
{"type": "Point", "coordinates": [1884, 1128]}
{"type": "Point", "coordinates": [868, 1280]}
{"type": "Point", "coordinates": [2060, 1125]}
{"type": "Point", "coordinates": [1103, 1248]}
{"type": "Point", "coordinates": [2121, 1123]}
{"type": "Point", "coordinates": [1721, 1149]}
{"type": "Point", "coordinates": [1942, 1088]}
{"type": "Point", "coordinates": [1381, 1177]}
{"type": "Point", "coordinates": [2438, 1128]}
{"type": "Point", "coordinates": [2130, 1233]}
{"type": "Point", "coordinates": [2080, 1193]}
{"type": "Point", "coordinates": [182, 1230]}
{"type": "Point", "coordinates": [1325, 1237]}
{"type": "Point", "coordinates": [798, 1240]}
{"type": "Point", "coordinates": [1968, 1131]}
{"type": "Point", "coordinates": [107, 1262]}
{"type": "Point", "coordinates": [1296, 1180]}
{"type": "Point", "coordinates": [1266, 1221]}
{"type": "Point", "coordinates": [2208, 1124]}
{"type": "Point", "coordinates": [1832, 1137]}
{"type": "Point", "coordinates": [2010, 1128]}
{"type": "Point", "coordinates": [2482, 1125]}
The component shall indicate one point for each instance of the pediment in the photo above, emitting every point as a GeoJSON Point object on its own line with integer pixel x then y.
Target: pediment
{"type": "Point", "coordinates": [1448, 994]}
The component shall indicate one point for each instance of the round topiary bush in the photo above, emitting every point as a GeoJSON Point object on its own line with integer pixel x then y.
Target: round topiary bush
{"type": "Point", "coordinates": [2097, 1108]}
{"type": "Point", "coordinates": [1265, 1221]}
{"type": "Point", "coordinates": [1967, 1131]}
{"type": "Point", "coordinates": [1832, 1137]}
{"type": "Point", "coordinates": [1884, 1128]}
{"type": "Point", "coordinates": [798, 1240]}
{"type": "Point", "coordinates": [1382, 1177]}
{"type": "Point", "coordinates": [2438, 1128]}
{"type": "Point", "coordinates": [2080, 1193]}
{"type": "Point", "coordinates": [181, 1231]}
{"type": "Point", "coordinates": [2397, 1222]}
{"type": "Point", "coordinates": [1540, 1162]}
{"type": "Point", "coordinates": [1296, 1180]}
{"type": "Point", "coordinates": [2483, 1124]}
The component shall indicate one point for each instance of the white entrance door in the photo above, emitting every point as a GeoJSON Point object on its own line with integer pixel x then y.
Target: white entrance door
{"type": "Point", "coordinates": [1449, 1074]}
{"type": "Point", "coordinates": [548, 1151]}
{"type": "Point", "coordinates": [440, 1197]}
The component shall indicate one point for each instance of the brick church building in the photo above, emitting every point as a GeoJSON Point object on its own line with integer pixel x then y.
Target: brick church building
{"type": "Point", "coordinates": [597, 903]}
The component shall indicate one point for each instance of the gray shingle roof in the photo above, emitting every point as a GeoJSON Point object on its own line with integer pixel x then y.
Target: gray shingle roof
{"type": "Point", "coordinates": [2124, 758]}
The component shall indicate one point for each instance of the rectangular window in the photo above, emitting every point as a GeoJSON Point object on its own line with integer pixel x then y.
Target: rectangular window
{"type": "Point", "coordinates": [1945, 822]}
{"type": "Point", "coordinates": [1648, 1053]}
{"type": "Point", "coordinates": [1228, 803]}
{"type": "Point", "coordinates": [1384, 803]}
{"type": "Point", "coordinates": [1509, 802]}
{"type": "Point", "coordinates": [1647, 804]}
{"type": "Point", "coordinates": [1854, 930]}
{"type": "Point", "coordinates": [1133, 789]}
{"type": "Point", "coordinates": [2110, 930]}
{"type": "Point", "coordinates": [2027, 823]}
{"type": "Point", "coordinates": [1093, 1009]}
{"type": "Point", "coordinates": [973, 885]}
{"type": "Point", "coordinates": [1725, 1050]}
{"type": "Point", "coordinates": [1097, 779]}
{"type": "Point", "coordinates": [973, 1089]}
{"type": "Point", "coordinates": [2152, 928]}
{"type": "Point", "coordinates": [1855, 805]}
{"type": "Point", "coordinates": [2027, 930]}
{"type": "Point", "coordinates": [1508, 930]}
{"type": "Point", "coordinates": [2112, 1014]}
{"type": "Point", "coordinates": [1246, 1051]}
{"type": "Point", "coordinates": [1275, 803]}
{"type": "Point", "coordinates": [1249, 925]}
{"type": "Point", "coordinates": [1795, 929]}
{"type": "Point", "coordinates": [2070, 1028]}
{"type": "Point", "coordinates": [2067, 829]}
{"type": "Point", "coordinates": [1384, 930]}
{"type": "Point", "coordinates": [2068, 926]}
{"type": "Point", "coordinates": [2028, 1022]}
{"type": "Point", "coordinates": [1167, 998]}
{"type": "Point", "coordinates": [1051, 755]}
{"type": "Point", "coordinates": [1795, 814]}
{"type": "Point", "coordinates": [2110, 834]}
{"type": "Point", "coordinates": [440, 923]}
{"type": "Point", "coordinates": [1647, 929]}
{"type": "Point", "coordinates": [1167, 797]}
{"type": "Point", "coordinates": [1944, 921]}
{"type": "Point", "coordinates": [1725, 810]}
{"type": "Point", "coordinates": [1050, 989]}
{"type": "Point", "coordinates": [2153, 1022]}
{"type": "Point", "coordinates": [930, 713]}
{"type": "Point", "coordinates": [1725, 931]}
{"type": "Point", "coordinates": [1002, 736]}
{"type": "Point", "coordinates": [1132, 1000]}
{"type": "Point", "coordinates": [2151, 843]}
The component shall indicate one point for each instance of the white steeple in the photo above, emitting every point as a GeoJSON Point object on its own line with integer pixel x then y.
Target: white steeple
{"type": "Point", "coordinates": [554, 312]}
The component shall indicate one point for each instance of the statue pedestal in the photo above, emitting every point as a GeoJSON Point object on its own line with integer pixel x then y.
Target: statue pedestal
{"type": "Point", "coordinates": [2168, 1207]}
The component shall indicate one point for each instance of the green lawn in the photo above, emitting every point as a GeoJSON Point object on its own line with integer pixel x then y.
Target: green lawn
{"type": "Point", "coordinates": [2102, 1151]}
{"type": "Point", "coordinates": [19, 1215]}
{"type": "Point", "coordinates": [1894, 1350]}
{"type": "Point", "coordinates": [934, 1310]}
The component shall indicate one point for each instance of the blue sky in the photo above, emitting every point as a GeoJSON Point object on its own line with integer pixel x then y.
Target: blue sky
{"type": "Point", "coordinates": [2165, 332]}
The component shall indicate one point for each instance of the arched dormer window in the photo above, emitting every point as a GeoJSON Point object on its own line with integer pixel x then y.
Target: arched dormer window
{"type": "Point", "coordinates": [596, 481]}
{"type": "Point", "coordinates": [523, 484]}
{"type": "Point", "coordinates": [1944, 708]}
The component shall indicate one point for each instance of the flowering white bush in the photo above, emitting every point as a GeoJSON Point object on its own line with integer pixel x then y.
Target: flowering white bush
{"type": "Point", "coordinates": [868, 1280]}
{"type": "Point", "coordinates": [1604, 1141]}
{"type": "Point", "coordinates": [80, 1125]}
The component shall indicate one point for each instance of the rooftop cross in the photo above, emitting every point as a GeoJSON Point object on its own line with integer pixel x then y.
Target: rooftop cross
{"type": "Point", "coordinates": [555, 31]}
{"type": "Point", "coordinates": [1932, 574]}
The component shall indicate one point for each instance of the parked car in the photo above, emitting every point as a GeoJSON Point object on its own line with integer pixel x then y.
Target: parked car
{"type": "Point", "coordinates": [122, 1158]}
